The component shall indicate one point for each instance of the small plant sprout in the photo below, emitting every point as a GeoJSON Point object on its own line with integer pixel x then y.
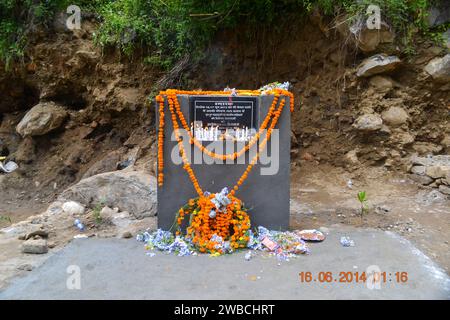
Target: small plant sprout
{"type": "Point", "coordinates": [96, 212]}
{"type": "Point", "coordinates": [362, 198]}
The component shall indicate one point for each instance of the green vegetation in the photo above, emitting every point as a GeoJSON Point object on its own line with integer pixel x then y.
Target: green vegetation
{"type": "Point", "coordinates": [96, 212]}
{"type": "Point", "coordinates": [167, 30]}
{"type": "Point", "coordinates": [17, 18]}
{"type": "Point", "coordinates": [5, 218]}
{"type": "Point", "coordinates": [362, 198]}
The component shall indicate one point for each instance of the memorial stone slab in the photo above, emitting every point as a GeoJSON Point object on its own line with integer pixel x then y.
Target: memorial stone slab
{"type": "Point", "coordinates": [214, 120]}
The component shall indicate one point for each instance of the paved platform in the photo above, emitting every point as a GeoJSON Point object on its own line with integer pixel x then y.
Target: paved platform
{"type": "Point", "coordinates": [120, 269]}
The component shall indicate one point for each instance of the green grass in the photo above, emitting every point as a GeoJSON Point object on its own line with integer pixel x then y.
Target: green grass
{"type": "Point", "coordinates": [5, 218]}
{"type": "Point", "coordinates": [167, 30]}
{"type": "Point", "coordinates": [96, 212]}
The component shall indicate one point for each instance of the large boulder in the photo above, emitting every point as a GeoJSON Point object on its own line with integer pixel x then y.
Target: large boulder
{"type": "Point", "coordinates": [41, 119]}
{"type": "Point", "coordinates": [439, 68]}
{"type": "Point", "coordinates": [379, 63]}
{"type": "Point", "coordinates": [131, 191]}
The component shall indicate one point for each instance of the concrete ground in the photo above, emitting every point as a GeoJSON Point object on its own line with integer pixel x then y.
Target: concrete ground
{"type": "Point", "coordinates": [120, 269]}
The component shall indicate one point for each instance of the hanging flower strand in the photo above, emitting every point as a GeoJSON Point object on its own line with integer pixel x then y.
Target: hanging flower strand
{"type": "Point", "coordinates": [160, 101]}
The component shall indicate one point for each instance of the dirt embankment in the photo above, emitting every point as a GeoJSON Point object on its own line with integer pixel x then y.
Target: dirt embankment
{"type": "Point", "coordinates": [108, 124]}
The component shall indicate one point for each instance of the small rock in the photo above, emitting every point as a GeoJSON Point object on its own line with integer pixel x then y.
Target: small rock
{"type": "Point", "coordinates": [35, 246]}
{"type": "Point", "coordinates": [427, 148]}
{"type": "Point", "coordinates": [73, 208]}
{"type": "Point", "coordinates": [424, 180]}
{"type": "Point", "coordinates": [25, 267]}
{"type": "Point", "coordinates": [121, 219]}
{"type": "Point", "coordinates": [381, 84]}
{"type": "Point", "coordinates": [382, 209]}
{"type": "Point", "coordinates": [51, 245]}
{"type": "Point", "coordinates": [307, 156]}
{"type": "Point", "coordinates": [402, 138]}
{"type": "Point", "coordinates": [351, 157]}
{"type": "Point", "coordinates": [444, 189]}
{"type": "Point", "coordinates": [368, 40]}
{"type": "Point", "coordinates": [379, 63]}
{"type": "Point", "coordinates": [368, 122]}
{"type": "Point", "coordinates": [127, 235]}
{"type": "Point", "coordinates": [433, 184]}
{"type": "Point", "coordinates": [32, 229]}
{"type": "Point", "coordinates": [446, 180]}
{"type": "Point", "coordinates": [420, 170]}
{"type": "Point", "coordinates": [446, 141]}
{"type": "Point", "coordinates": [37, 233]}
{"type": "Point", "coordinates": [107, 212]}
{"type": "Point", "coordinates": [439, 69]}
{"type": "Point", "coordinates": [389, 163]}
{"type": "Point", "coordinates": [437, 171]}
{"type": "Point", "coordinates": [395, 116]}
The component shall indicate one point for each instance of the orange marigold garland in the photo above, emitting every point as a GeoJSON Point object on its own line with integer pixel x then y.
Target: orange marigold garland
{"type": "Point", "coordinates": [212, 230]}
{"type": "Point", "coordinates": [160, 101]}
{"type": "Point", "coordinates": [218, 223]}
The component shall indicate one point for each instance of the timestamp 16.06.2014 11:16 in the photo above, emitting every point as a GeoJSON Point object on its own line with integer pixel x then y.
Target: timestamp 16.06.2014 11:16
{"type": "Point", "coordinates": [353, 277]}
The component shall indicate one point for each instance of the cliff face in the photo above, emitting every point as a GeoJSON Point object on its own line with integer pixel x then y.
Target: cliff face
{"type": "Point", "coordinates": [355, 107]}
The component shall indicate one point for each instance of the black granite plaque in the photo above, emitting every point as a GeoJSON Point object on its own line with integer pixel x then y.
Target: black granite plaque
{"type": "Point", "coordinates": [223, 118]}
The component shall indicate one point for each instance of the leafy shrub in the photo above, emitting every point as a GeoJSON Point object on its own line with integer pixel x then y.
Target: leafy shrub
{"type": "Point", "coordinates": [163, 26]}
{"type": "Point", "coordinates": [171, 29]}
{"type": "Point", "coordinates": [17, 18]}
